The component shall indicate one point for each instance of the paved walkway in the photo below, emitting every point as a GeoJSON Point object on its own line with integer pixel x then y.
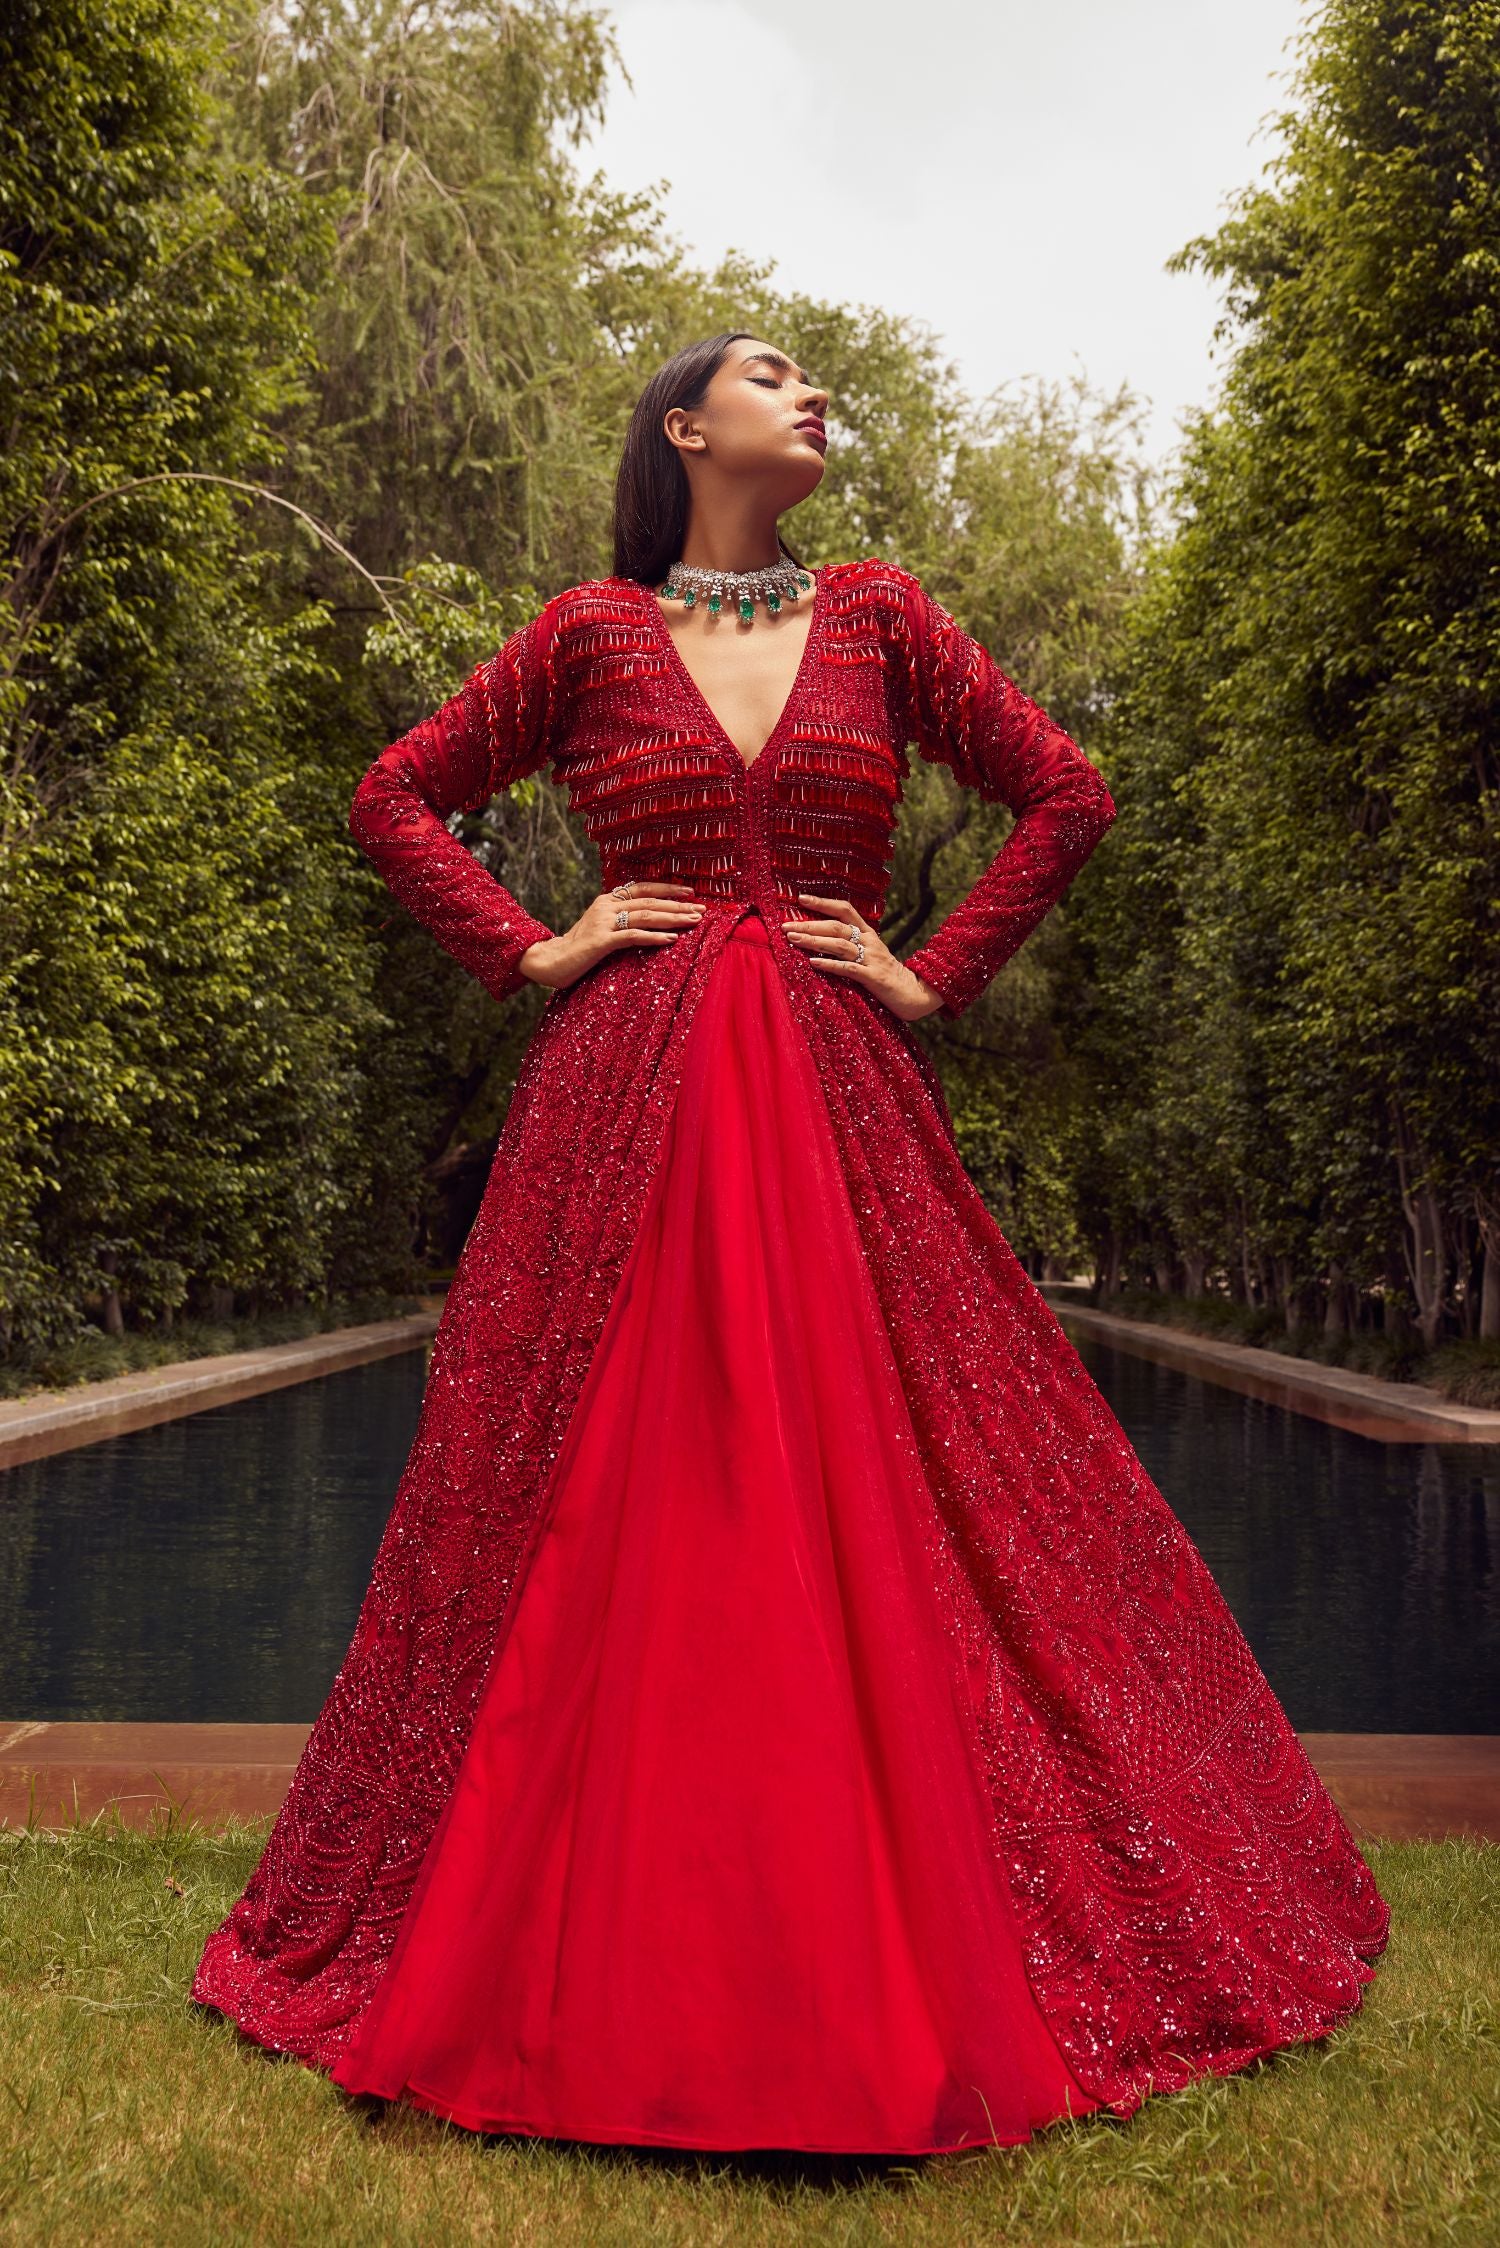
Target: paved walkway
{"type": "Point", "coordinates": [1391, 1412]}
{"type": "Point", "coordinates": [1388, 1785]}
{"type": "Point", "coordinates": [59, 1420]}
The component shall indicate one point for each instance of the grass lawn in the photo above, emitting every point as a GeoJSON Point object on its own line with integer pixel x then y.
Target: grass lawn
{"type": "Point", "coordinates": [130, 2115]}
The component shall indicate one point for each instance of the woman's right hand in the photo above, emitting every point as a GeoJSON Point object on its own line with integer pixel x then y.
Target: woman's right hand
{"type": "Point", "coordinates": [659, 912]}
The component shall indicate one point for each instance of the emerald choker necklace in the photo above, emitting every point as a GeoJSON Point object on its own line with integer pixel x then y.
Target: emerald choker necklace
{"type": "Point", "coordinates": [781, 582]}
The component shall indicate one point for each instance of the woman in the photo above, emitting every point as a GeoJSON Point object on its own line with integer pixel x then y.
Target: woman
{"type": "Point", "coordinates": [784, 1713]}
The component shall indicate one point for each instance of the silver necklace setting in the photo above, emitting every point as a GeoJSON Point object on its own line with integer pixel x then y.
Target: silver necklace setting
{"type": "Point", "coordinates": [782, 581]}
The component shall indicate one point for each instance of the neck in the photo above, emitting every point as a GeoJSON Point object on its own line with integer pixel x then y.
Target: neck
{"type": "Point", "coordinates": [730, 536]}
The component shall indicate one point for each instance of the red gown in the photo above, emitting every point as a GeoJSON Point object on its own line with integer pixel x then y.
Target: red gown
{"type": "Point", "coordinates": [783, 1713]}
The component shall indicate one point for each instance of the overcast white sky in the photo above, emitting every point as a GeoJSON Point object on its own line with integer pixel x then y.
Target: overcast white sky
{"type": "Point", "coordinates": [1015, 174]}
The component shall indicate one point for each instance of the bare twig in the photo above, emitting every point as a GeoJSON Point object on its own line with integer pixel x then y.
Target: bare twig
{"type": "Point", "coordinates": [256, 491]}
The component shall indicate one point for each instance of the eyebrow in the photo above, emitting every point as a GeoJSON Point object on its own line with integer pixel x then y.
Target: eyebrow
{"type": "Point", "coordinates": [778, 360]}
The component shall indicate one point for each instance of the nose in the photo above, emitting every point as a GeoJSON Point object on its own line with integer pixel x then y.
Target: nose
{"type": "Point", "coordinates": [816, 402]}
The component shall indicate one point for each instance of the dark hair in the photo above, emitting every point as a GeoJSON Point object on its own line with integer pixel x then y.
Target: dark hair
{"type": "Point", "coordinates": [651, 485]}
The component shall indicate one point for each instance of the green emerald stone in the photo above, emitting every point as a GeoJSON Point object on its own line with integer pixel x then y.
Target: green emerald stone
{"type": "Point", "coordinates": [715, 603]}
{"type": "Point", "coordinates": [689, 599]}
{"type": "Point", "coordinates": [747, 608]}
{"type": "Point", "coordinates": [801, 580]}
{"type": "Point", "coordinates": [773, 602]}
{"type": "Point", "coordinates": [666, 589]}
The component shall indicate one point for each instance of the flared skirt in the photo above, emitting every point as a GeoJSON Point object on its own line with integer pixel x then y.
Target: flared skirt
{"type": "Point", "coordinates": [718, 1868]}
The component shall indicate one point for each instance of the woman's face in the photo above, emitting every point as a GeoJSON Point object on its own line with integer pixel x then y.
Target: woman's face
{"type": "Point", "coordinates": [760, 418]}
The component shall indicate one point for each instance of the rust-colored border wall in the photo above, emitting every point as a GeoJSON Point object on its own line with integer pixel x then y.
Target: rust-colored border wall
{"type": "Point", "coordinates": [1406, 1786]}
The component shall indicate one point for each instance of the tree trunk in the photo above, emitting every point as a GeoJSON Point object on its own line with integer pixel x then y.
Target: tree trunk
{"type": "Point", "coordinates": [114, 1310]}
{"type": "Point", "coordinates": [1395, 1317]}
{"type": "Point", "coordinates": [1487, 1216]}
{"type": "Point", "coordinates": [1245, 1266]}
{"type": "Point", "coordinates": [1464, 1265]}
{"type": "Point", "coordinates": [1425, 1242]}
{"type": "Point", "coordinates": [1335, 1310]}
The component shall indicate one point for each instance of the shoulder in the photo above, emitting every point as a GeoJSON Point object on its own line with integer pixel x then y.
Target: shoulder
{"type": "Point", "coordinates": [872, 581]}
{"type": "Point", "coordinates": [893, 598]}
{"type": "Point", "coordinates": [878, 597]}
{"type": "Point", "coordinates": [569, 624]}
{"type": "Point", "coordinates": [590, 601]}
{"type": "Point", "coordinates": [591, 595]}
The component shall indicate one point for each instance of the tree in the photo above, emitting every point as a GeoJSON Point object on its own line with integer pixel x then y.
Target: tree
{"type": "Point", "coordinates": [179, 1014]}
{"type": "Point", "coordinates": [1306, 720]}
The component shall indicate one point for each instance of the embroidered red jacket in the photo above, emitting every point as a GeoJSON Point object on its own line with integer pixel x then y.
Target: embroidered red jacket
{"type": "Point", "coordinates": [595, 686]}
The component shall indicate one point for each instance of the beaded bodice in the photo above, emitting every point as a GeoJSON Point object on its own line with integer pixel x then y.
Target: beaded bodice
{"type": "Point", "coordinates": [595, 686]}
{"type": "Point", "coordinates": [666, 795]}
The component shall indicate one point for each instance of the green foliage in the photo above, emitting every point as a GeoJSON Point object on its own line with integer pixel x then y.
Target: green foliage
{"type": "Point", "coordinates": [463, 406]}
{"type": "Point", "coordinates": [182, 1006]}
{"type": "Point", "coordinates": [1297, 924]}
{"type": "Point", "coordinates": [318, 354]}
{"type": "Point", "coordinates": [154, 309]}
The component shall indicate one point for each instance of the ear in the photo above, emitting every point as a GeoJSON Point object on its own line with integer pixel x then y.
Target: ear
{"type": "Point", "coordinates": [682, 431]}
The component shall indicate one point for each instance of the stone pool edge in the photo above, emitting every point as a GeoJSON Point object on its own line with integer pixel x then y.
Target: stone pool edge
{"type": "Point", "coordinates": [1389, 1786]}
{"type": "Point", "coordinates": [1390, 1412]}
{"type": "Point", "coordinates": [61, 1420]}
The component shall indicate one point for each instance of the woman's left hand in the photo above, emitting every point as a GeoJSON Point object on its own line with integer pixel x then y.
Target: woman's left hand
{"type": "Point", "coordinates": [840, 941]}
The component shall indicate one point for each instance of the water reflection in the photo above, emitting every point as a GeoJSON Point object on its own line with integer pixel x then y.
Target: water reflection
{"type": "Point", "coordinates": [1362, 1574]}
{"type": "Point", "coordinates": [213, 1568]}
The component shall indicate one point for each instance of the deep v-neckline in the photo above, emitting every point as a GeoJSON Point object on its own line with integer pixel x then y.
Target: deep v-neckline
{"type": "Point", "coordinates": [723, 737]}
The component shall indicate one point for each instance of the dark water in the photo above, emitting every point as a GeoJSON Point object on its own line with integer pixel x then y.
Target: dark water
{"type": "Point", "coordinates": [213, 1568]}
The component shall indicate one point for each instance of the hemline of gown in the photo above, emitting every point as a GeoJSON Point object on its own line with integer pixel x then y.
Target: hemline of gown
{"type": "Point", "coordinates": [1224, 2063]}
{"type": "Point", "coordinates": [717, 1827]}
{"type": "Point", "coordinates": [608, 2134]}
{"type": "Point", "coordinates": [1220, 2065]}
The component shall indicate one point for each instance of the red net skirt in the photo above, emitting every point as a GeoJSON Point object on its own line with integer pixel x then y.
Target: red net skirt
{"type": "Point", "coordinates": [716, 1870]}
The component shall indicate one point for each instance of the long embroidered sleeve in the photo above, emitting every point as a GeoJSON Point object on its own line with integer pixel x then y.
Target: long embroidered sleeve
{"type": "Point", "coordinates": [495, 730]}
{"type": "Point", "coordinates": [965, 713]}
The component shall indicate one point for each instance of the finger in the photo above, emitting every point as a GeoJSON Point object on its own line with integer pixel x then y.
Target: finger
{"type": "Point", "coordinates": [656, 890]}
{"type": "Point", "coordinates": [843, 958]}
{"type": "Point", "coordinates": [822, 942]}
{"type": "Point", "coordinates": [839, 906]}
{"type": "Point", "coordinates": [667, 911]}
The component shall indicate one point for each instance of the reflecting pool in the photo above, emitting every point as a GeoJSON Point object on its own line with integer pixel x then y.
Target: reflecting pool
{"type": "Point", "coordinates": [212, 1568]}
